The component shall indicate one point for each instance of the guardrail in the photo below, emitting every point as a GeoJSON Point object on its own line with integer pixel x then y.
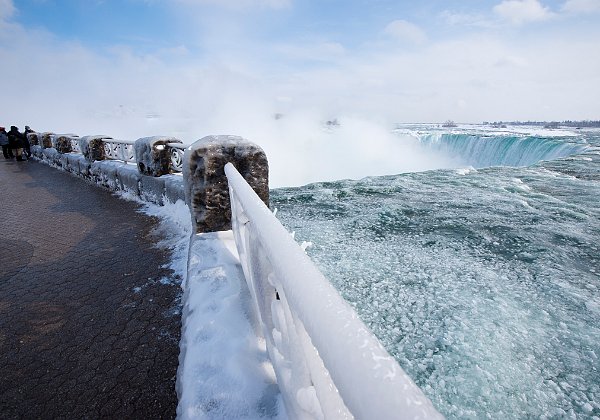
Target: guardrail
{"type": "Point", "coordinates": [327, 362]}
{"type": "Point", "coordinates": [119, 150]}
{"type": "Point", "coordinates": [111, 149]}
{"type": "Point", "coordinates": [75, 148]}
{"type": "Point", "coordinates": [177, 151]}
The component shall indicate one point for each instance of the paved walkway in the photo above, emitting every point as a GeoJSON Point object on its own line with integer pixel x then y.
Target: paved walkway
{"type": "Point", "coordinates": [87, 329]}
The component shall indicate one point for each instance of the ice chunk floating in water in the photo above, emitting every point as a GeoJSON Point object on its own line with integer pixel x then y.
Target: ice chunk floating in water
{"type": "Point", "coordinates": [484, 284]}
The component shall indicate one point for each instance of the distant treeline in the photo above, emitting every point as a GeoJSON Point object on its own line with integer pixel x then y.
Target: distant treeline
{"type": "Point", "coordinates": [548, 124]}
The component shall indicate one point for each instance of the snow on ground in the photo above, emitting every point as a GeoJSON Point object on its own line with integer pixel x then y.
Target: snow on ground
{"type": "Point", "coordinates": [224, 370]}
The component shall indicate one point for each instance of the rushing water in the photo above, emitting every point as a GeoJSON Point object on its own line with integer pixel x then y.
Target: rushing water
{"type": "Point", "coordinates": [483, 283]}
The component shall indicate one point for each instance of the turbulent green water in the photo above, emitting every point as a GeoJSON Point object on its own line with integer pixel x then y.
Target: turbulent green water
{"type": "Point", "coordinates": [483, 283]}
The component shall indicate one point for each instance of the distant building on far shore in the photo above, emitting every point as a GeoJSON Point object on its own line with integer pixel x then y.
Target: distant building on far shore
{"type": "Point", "coordinates": [449, 123]}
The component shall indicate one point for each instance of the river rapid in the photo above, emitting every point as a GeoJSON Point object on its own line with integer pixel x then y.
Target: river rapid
{"type": "Point", "coordinates": [482, 280]}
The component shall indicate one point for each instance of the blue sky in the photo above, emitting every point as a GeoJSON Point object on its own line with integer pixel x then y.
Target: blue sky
{"type": "Point", "coordinates": [193, 67]}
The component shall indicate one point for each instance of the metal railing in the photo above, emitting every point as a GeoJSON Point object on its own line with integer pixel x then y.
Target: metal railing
{"type": "Point", "coordinates": [177, 152]}
{"type": "Point", "coordinates": [119, 150]}
{"type": "Point", "coordinates": [327, 362]}
{"type": "Point", "coordinates": [124, 150]}
{"type": "Point", "coordinates": [75, 148]}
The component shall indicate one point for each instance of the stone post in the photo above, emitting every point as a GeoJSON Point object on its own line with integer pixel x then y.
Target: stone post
{"type": "Point", "coordinates": [92, 147]}
{"type": "Point", "coordinates": [46, 140]}
{"type": "Point", "coordinates": [153, 156]}
{"type": "Point", "coordinates": [33, 139]}
{"type": "Point", "coordinates": [205, 182]}
{"type": "Point", "coordinates": [63, 143]}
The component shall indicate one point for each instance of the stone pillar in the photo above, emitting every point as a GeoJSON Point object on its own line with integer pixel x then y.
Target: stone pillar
{"type": "Point", "coordinates": [63, 144]}
{"type": "Point", "coordinates": [92, 147]}
{"type": "Point", "coordinates": [205, 182]}
{"type": "Point", "coordinates": [33, 139]}
{"type": "Point", "coordinates": [152, 155]}
{"type": "Point", "coordinates": [47, 140]}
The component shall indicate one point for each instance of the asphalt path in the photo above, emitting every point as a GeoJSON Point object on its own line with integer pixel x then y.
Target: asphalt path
{"type": "Point", "coordinates": [87, 327]}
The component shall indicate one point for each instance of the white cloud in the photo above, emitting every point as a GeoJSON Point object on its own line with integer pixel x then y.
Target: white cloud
{"type": "Point", "coordinates": [7, 9]}
{"type": "Point", "coordinates": [581, 6]}
{"type": "Point", "coordinates": [406, 31]}
{"type": "Point", "coordinates": [522, 11]}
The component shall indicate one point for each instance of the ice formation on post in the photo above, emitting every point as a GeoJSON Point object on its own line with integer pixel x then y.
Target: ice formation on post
{"type": "Point", "coordinates": [46, 141]}
{"type": "Point", "coordinates": [152, 155]}
{"type": "Point", "coordinates": [92, 147]}
{"type": "Point", "coordinates": [207, 192]}
{"type": "Point", "coordinates": [62, 142]}
{"type": "Point", "coordinates": [33, 138]}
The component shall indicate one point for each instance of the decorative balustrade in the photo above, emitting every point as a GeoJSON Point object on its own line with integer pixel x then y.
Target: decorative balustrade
{"type": "Point", "coordinates": [327, 362]}
{"type": "Point", "coordinates": [75, 148]}
{"type": "Point", "coordinates": [177, 151]}
{"type": "Point", "coordinates": [107, 148]}
{"type": "Point", "coordinates": [119, 150]}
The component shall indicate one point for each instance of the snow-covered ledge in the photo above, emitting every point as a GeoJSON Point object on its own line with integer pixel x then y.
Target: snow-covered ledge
{"type": "Point", "coordinates": [115, 175]}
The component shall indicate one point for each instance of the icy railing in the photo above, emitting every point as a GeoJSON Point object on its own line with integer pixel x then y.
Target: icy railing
{"type": "Point", "coordinates": [75, 148]}
{"type": "Point", "coordinates": [327, 362]}
{"type": "Point", "coordinates": [125, 150]}
{"type": "Point", "coordinates": [119, 150]}
{"type": "Point", "coordinates": [177, 152]}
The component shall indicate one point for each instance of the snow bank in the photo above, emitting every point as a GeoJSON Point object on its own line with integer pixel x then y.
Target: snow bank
{"type": "Point", "coordinates": [224, 371]}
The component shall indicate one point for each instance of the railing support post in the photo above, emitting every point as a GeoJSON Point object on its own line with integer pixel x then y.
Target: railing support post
{"type": "Point", "coordinates": [205, 183]}
{"type": "Point", "coordinates": [46, 141]}
{"type": "Point", "coordinates": [152, 155]}
{"type": "Point", "coordinates": [63, 144]}
{"type": "Point", "coordinates": [92, 147]}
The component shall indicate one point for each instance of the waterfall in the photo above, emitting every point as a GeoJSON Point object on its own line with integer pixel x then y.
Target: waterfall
{"type": "Point", "coordinates": [479, 150]}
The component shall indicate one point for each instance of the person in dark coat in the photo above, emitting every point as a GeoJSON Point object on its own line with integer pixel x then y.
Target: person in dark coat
{"type": "Point", "coordinates": [16, 141]}
{"type": "Point", "coordinates": [27, 148]}
{"type": "Point", "coordinates": [6, 150]}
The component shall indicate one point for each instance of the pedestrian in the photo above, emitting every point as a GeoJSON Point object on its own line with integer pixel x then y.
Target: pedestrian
{"type": "Point", "coordinates": [15, 139]}
{"type": "Point", "coordinates": [6, 150]}
{"type": "Point", "coordinates": [27, 148]}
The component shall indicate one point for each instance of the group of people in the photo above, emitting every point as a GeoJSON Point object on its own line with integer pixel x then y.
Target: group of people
{"type": "Point", "coordinates": [15, 144]}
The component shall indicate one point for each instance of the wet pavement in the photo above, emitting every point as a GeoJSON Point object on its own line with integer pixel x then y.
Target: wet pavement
{"type": "Point", "coordinates": [87, 328]}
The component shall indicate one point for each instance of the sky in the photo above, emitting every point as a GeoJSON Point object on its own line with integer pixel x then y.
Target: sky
{"type": "Point", "coordinates": [190, 68]}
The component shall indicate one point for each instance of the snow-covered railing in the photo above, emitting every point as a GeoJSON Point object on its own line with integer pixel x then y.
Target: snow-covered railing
{"type": "Point", "coordinates": [161, 155]}
{"type": "Point", "coordinates": [327, 362]}
{"type": "Point", "coordinates": [75, 148]}
{"type": "Point", "coordinates": [119, 150]}
{"type": "Point", "coordinates": [177, 150]}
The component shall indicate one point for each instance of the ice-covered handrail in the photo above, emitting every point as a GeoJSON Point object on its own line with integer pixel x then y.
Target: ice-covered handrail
{"type": "Point", "coordinates": [328, 363]}
{"type": "Point", "coordinates": [177, 152]}
{"type": "Point", "coordinates": [119, 150]}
